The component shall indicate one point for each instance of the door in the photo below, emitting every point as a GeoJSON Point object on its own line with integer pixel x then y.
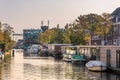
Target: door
{"type": "Point", "coordinates": [118, 58]}
{"type": "Point", "coordinates": [108, 58]}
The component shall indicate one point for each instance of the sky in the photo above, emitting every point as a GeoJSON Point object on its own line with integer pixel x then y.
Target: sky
{"type": "Point", "coordinates": [28, 14]}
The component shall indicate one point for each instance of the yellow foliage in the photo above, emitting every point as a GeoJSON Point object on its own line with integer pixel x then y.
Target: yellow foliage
{"type": "Point", "coordinates": [1, 37]}
{"type": "Point", "coordinates": [87, 37]}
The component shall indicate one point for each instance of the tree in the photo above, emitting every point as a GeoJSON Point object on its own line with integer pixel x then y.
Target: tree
{"type": "Point", "coordinates": [1, 34]}
{"type": "Point", "coordinates": [77, 37]}
{"type": "Point", "coordinates": [66, 36]}
{"type": "Point", "coordinates": [91, 22]}
{"type": "Point", "coordinates": [0, 25]}
{"type": "Point", "coordinates": [75, 32]}
{"type": "Point", "coordinates": [7, 31]}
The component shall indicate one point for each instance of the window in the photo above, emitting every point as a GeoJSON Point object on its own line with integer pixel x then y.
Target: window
{"type": "Point", "coordinates": [115, 29]}
{"type": "Point", "coordinates": [119, 29]}
{"type": "Point", "coordinates": [115, 41]}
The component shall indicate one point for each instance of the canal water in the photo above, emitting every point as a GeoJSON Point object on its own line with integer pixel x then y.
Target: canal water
{"type": "Point", "coordinates": [22, 68]}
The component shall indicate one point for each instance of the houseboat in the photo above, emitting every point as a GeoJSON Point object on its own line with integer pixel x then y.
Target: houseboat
{"type": "Point", "coordinates": [68, 52]}
{"type": "Point", "coordinates": [110, 55]}
{"type": "Point", "coordinates": [55, 50]}
{"type": "Point", "coordinates": [71, 54]}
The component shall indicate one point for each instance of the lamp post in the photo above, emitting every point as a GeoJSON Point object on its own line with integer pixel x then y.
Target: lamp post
{"type": "Point", "coordinates": [104, 39]}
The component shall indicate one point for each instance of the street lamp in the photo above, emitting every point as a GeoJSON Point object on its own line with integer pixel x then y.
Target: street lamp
{"type": "Point", "coordinates": [104, 39]}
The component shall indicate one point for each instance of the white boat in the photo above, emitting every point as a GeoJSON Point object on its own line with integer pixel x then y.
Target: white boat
{"type": "Point", "coordinates": [96, 66]}
{"type": "Point", "coordinates": [67, 57]}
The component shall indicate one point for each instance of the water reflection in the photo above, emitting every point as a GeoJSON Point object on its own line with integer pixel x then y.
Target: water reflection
{"type": "Point", "coordinates": [6, 71]}
{"type": "Point", "coordinates": [74, 72]}
{"type": "Point", "coordinates": [43, 70]}
{"type": "Point", "coordinates": [49, 69]}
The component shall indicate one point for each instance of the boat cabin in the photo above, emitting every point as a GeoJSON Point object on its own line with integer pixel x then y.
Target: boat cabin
{"type": "Point", "coordinates": [89, 52]}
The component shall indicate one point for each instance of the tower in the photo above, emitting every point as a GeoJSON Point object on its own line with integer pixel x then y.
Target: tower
{"type": "Point", "coordinates": [41, 23]}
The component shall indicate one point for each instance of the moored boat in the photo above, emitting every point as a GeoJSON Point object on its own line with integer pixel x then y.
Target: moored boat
{"type": "Point", "coordinates": [96, 66]}
{"type": "Point", "coordinates": [77, 58]}
{"type": "Point", "coordinates": [68, 53]}
{"type": "Point", "coordinates": [67, 57]}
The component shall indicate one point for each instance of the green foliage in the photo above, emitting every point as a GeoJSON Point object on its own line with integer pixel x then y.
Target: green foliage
{"type": "Point", "coordinates": [66, 36]}
{"type": "Point", "coordinates": [51, 36]}
{"type": "Point", "coordinates": [5, 35]}
{"type": "Point", "coordinates": [77, 37]}
{"type": "Point", "coordinates": [93, 23]}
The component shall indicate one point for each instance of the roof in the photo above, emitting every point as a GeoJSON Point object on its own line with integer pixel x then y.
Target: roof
{"type": "Point", "coordinates": [116, 12]}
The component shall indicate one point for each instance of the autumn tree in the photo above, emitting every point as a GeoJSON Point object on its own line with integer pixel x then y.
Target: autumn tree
{"type": "Point", "coordinates": [75, 32]}
{"type": "Point", "coordinates": [7, 31]}
{"type": "Point", "coordinates": [93, 23]}
{"type": "Point", "coordinates": [66, 36]}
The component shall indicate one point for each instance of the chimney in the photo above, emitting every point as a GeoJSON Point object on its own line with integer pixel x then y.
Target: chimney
{"type": "Point", "coordinates": [41, 23]}
{"type": "Point", "coordinates": [48, 23]}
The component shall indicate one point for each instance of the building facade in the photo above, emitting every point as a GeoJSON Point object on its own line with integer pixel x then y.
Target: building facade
{"type": "Point", "coordinates": [31, 35]}
{"type": "Point", "coordinates": [114, 36]}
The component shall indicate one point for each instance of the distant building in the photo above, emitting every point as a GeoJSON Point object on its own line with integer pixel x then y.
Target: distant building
{"type": "Point", "coordinates": [31, 35]}
{"type": "Point", "coordinates": [44, 27]}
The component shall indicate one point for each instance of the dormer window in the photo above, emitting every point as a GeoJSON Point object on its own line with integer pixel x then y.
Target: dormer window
{"type": "Point", "coordinates": [117, 19]}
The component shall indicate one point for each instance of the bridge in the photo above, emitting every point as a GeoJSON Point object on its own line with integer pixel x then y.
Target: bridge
{"type": "Point", "coordinates": [15, 35]}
